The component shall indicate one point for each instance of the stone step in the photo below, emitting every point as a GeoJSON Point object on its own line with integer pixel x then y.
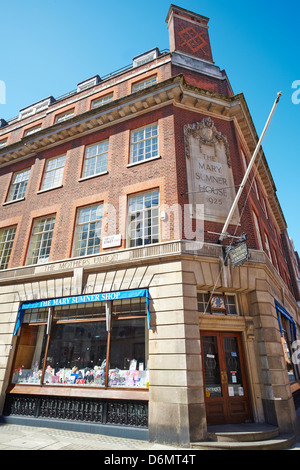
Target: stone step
{"type": "Point", "coordinates": [247, 432]}
{"type": "Point", "coordinates": [278, 443]}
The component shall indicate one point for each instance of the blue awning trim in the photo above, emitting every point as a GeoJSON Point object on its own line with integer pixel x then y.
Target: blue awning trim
{"type": "Point", "coordinates": [79, 299]}
{"type": "Point", "coordinates": [282, 311]}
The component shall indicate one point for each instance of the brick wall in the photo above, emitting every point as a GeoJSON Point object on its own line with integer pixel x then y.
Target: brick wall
{"type": "Point", "coordinates": [199, 80]}
{"type": "Point", "coordinates": [64, 201]}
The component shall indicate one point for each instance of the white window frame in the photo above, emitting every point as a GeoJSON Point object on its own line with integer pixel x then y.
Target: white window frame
{"type": "Point", "coordinates": [258, 234]}
{"type": "Point", "coordinates": [144, 143]}
{"type": "Point", "coordinates": [33, 130]}
{"type": "Point", "coordinates": [35, 108]}
{"type": "Point", "coordinates": [95, 159]}
{"type": "Point", "coordinates": [142, 84]}
{"type": "Point", "coordinates": [101, 101]}
{"type": "Point", "coordinates": [143, 216]}
{"type": "Point", "coordinates": [88, 227]}
{"type": "Point", "coordinates": [7, 236]}
{"type": "Point", "coordinates": [256, 188]}
{"type": "Point", "coordinates": [267, 246]}
{"type": "Point", "coordinates": [3, 143]}
{"type": "Point", "coordinates": [18, 185]}
{"type": "Point", "coordinates": [244, 161]}
{"type": "Point", "coordinates": [41, 240]}
{"type": "Point", "coordinates": [53, 173]}
{"type": "Point", "coordinates": [145, 57]}
{"type": "Point", "coordinates": [89, 83]}
{"type": "Point", "coordinates": [265, 206]}
{"type": "Point", "coordinates": [64, 116]}
{"type": "Point", "coordinates": [275, 259]}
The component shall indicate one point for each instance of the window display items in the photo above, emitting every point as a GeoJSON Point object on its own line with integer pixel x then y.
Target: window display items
{"type": "Point", "coordinates": [30, 376]}
{"type": "Point", "coordinates": [75, 376]}
{"type": "Point", "coordinates": [129, 378]}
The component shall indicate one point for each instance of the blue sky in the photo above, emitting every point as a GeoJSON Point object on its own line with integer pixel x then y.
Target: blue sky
{"type": "Point", "coordinates": [49, 47]}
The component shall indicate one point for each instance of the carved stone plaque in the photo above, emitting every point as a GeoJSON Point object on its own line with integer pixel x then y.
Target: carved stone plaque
{"type": "Point", "coordinates": [209, 173]}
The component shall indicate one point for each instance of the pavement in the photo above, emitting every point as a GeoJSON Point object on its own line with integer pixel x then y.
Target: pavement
{"type": "Point", "coordinates": [23, 437]}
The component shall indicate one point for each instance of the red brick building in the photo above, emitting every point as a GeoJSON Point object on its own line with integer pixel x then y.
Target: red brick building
{"type": "Point", "coordinates": [105, 191]}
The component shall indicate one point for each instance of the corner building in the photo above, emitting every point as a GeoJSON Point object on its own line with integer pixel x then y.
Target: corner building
{"type": "Point", "coordinates": [117, 310]}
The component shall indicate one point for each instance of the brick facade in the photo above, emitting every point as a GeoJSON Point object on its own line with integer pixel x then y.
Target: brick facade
{"type": "Point", "coordinates": [189, 88]}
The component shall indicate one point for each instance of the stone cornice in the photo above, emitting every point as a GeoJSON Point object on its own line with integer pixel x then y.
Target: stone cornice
{"type": "Point", "coordinates": [207, 252]}
{"type": "Point", "coordinates": [124, 108]}
{"type": "Point", "coordinates": [158, 253]}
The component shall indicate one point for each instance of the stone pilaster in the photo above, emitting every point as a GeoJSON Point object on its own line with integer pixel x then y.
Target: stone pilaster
{"type": "Point", "coordinates": [176, 405]}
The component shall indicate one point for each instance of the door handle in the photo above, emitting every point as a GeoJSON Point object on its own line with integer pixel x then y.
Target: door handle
{"type": "Point", "coordinates": [224, 379]}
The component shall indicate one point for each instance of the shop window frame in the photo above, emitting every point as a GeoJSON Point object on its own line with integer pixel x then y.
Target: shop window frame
{"type": "Point", "coordinates": [32, 319]}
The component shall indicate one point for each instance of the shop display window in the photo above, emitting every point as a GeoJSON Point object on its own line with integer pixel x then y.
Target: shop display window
{"type": "Point", "coordinates": [287, 345]}
{"type": "Point", "coordinates": [28, 364]}
{"type": "Point", "coordinates": [76, 353]}
{"type": "Point", "coordinates": [71, 346]}
{"type": "Point", "coordinates": [128, 357]}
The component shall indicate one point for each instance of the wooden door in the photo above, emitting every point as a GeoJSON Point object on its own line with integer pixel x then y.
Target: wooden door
{"type": "Point", "coordinates": [225, 387]}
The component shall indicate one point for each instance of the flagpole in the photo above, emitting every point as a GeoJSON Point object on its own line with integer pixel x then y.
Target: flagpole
{"type": "Point", "coordinates": [238, 195]}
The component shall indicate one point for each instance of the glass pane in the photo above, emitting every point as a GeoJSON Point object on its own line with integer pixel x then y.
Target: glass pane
{"type": "Point", "coordinates": [95, 161]}
{"type": "Point", "coordinates": [128, 307]}
{"type": "Point", "coordinates": [203, 300]}
{"type": "Point", "coordinates": [233, 366]}
{"type": "Point", "coordinates": [77, 354]}
{"type": "Point", "coordinates": [231, 305]}
{"type": "Point", "coordinates": [84, 311]}
{"type": "Point", "coordinates": [6, 242]}
{"type": "Point", "coordinates": [143, 226]}
{"type": "Point", "coordinates": [30, 355]}
{"type": "Point", "coordinates": [211, 367]}
{"type": "Point", "coordinates": [128, 361]}
{"type": "Point", "coordinates": [88, 231]}
{"type": "Point", "coordinates": [40, 243]}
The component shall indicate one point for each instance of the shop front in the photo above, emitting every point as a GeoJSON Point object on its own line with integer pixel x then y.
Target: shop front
{"type": "Point", "coordinates": [82, 359]}
{"type": "Point", "coordinates": [82, 353]}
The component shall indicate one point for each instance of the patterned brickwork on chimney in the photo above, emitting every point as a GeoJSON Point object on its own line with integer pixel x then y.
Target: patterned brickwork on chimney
{"type": "Point", "coordinates": [188, 33]}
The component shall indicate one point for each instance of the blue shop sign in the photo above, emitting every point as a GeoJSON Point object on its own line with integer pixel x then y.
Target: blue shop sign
{"type": "Point", "coordinates": [79, 299]}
